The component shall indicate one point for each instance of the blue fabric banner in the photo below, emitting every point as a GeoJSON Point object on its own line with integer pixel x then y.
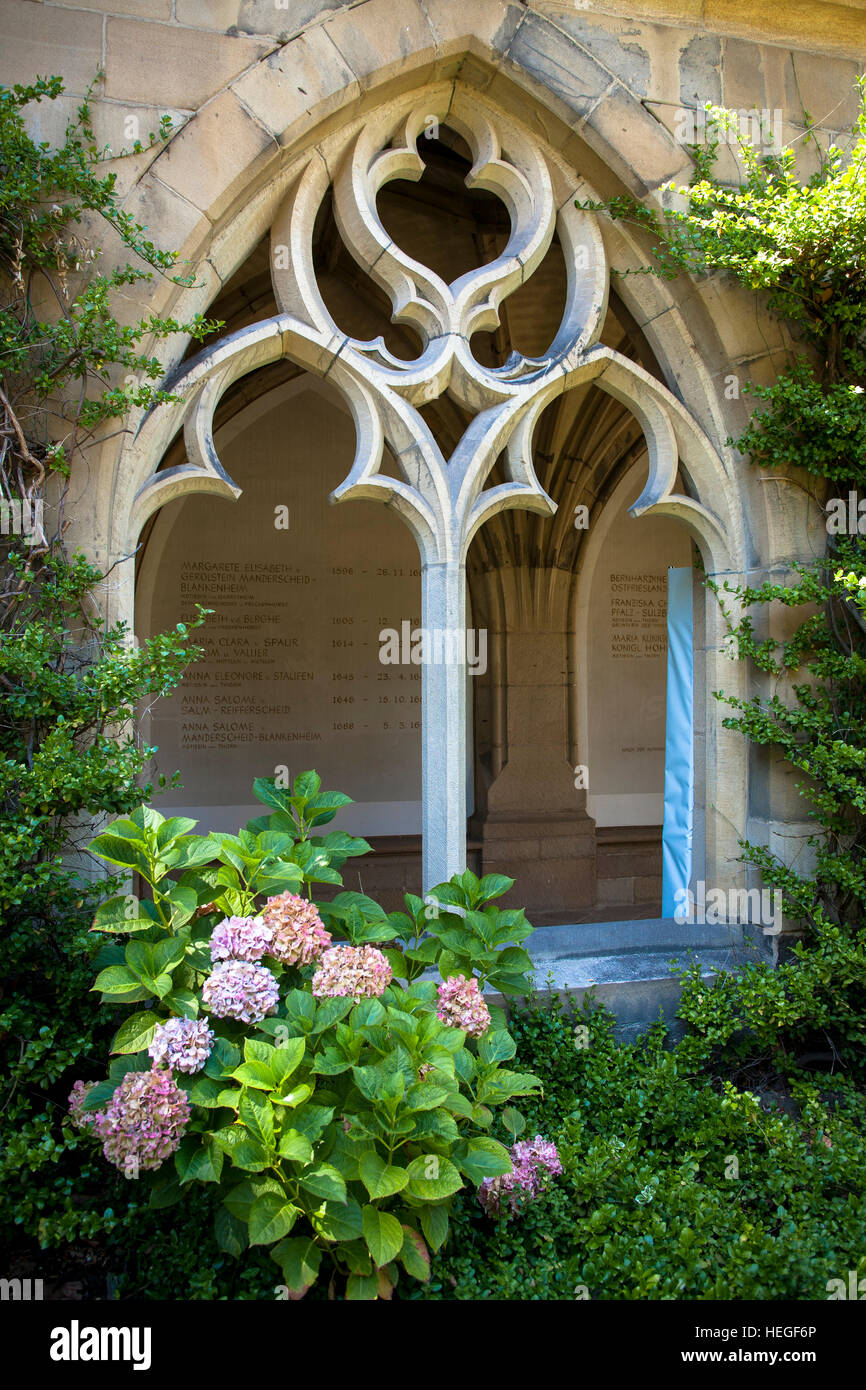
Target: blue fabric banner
{"type": "Point", "coordinates": [679, 745]}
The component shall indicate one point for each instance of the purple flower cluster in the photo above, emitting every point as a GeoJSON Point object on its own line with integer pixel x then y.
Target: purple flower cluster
{"type": "Point", "coordinates": [81, 1118]}
{"type": "Point", "coordinates": [533, 1162]}
{"type": "Point", "coordinates": [359, 971]}
{"type": "Point", "coordinates": [461, 1005]}
{"type": "Point", "coordinates": [144, 1121]}
{"type": "Point", "coordinates": [240, 938]}
{"type": "Point", "coordinates": [298, 934]}
{"type": "Point", "coordinates": [182, 1044]}
{"type": "Point", "coordinates": [238, 989]}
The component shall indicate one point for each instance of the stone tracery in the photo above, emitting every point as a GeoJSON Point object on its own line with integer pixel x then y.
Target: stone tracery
{"type": "Point", "coordinates": [443, 501]}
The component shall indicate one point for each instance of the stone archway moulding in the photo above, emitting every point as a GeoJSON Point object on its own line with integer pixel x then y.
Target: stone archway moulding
{"type": "Point", "coordinates": [444, 502]}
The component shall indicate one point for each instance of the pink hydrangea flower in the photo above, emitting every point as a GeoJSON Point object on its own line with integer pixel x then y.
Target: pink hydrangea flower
{"type": "Point", "coordinates": [81, 1118]}
{"type": "Point", "coordinates": [238, 989]}
{"type": "Point", "coordinates": [144, 1121]}
{"type": "Point", "coordinates": [461, 1005]}
{"type": "Point", "coordinates": [240, 938]}
{"type": "Point", "coordinates": [533, 1163]}
{"type": "Point", "coordinates": [358, 971]}
{"type": "Point", "coordinates": [181, 1044]}
{"type": "Point", "coordinates": [542, 1152]}
{"type": "Point", "coordinates": [298, 934]}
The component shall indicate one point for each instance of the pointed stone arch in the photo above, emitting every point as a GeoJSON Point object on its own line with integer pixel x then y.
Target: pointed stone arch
{"type": "Point", "coordinates": [278, 187]}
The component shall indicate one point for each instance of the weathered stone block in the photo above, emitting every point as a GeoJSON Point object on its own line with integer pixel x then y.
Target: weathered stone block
{"type": "Point", "coordinates": [648, 890]}
{"type": "Point", "coordinates": [305, 78]}
{"type": "Point", "coordinates": [291, 16]}
{"type": "Point", "coordinates": [380, 39]}
{"type": "Point", "coordinates": [700, 70]}
{"type": "Point", "coordinates": [622, 865]}
{"type": "Point", "coordinates": [680, 11]}
{"type": "Point", "coordinates": [522, 827]}
{"type": "Point", "coordinates": [570, 848]}
{"type": "Point", "coordinates": [492, 23]}
{"type": "Point", "coordinates": [829, 28]}
{"type": "Point", "coordinates": [635, 143]}
{"type": "Point", "coordinates": [517, 851]}
{"type": "Point", "coordinates": [537, 659]}
{"type": "Point", "coordinates": [617, 43]}
{"type": "Point", "coordinates": [615, 890]}
{"type": "Point", "coordinates": [142, 9]}
{"type": "Point", "coordinates": [218, 15]}
{"type": "Point", "coordinates": [216, 157]}
{"type": "Point", "coordinates": [549, 57]}
{"type": "Point", "coordinates": [42, 38]}
{"type": "Point", "coordinates": [557, 884]}
{"type": "Point", "coordinates": [116, 127]}
{"type": "Point", "coordinates": [172, 65]}
{"type": "Point", "coordinates": [539, 712]}
{"type": "Point", "coordinates": [742, 75]}
{"type": "Point", "coordinates": [171, 218]}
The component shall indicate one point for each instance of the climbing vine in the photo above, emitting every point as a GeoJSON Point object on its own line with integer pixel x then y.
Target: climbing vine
{"type": "Point", "coordinates": [801, 247]}
{"type": "Point", "coordinates": [70, 370]}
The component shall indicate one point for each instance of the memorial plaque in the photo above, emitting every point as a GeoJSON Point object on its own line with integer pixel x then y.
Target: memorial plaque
{"type": "Point", "coordinates": [627, 666]}
{"type": "Point", "coordinates": [301, 589]}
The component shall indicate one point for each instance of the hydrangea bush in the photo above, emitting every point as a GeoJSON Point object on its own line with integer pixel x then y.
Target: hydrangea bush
{"type": "Point", "coordinates": [292, 1051]}
{"type": "Point", "coordinates": [533, 1163]}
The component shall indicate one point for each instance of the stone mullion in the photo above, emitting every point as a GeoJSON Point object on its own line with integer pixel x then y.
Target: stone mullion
{"type": "Point", "coordinates": [443, 725]}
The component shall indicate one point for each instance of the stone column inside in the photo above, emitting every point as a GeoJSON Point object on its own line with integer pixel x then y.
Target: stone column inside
{"type": "Point", "coordinates": [532, 821]}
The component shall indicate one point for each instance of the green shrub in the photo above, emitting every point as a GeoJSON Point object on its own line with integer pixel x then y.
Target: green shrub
{"type": "Point", "coordinates": [69, 681]}
{"type": "Point", "coordinates": [336, 1117]}
{"type": "Point", "coordinates": [800, 244]}
{"type": "Point", "coordinates": [649, 1206]}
